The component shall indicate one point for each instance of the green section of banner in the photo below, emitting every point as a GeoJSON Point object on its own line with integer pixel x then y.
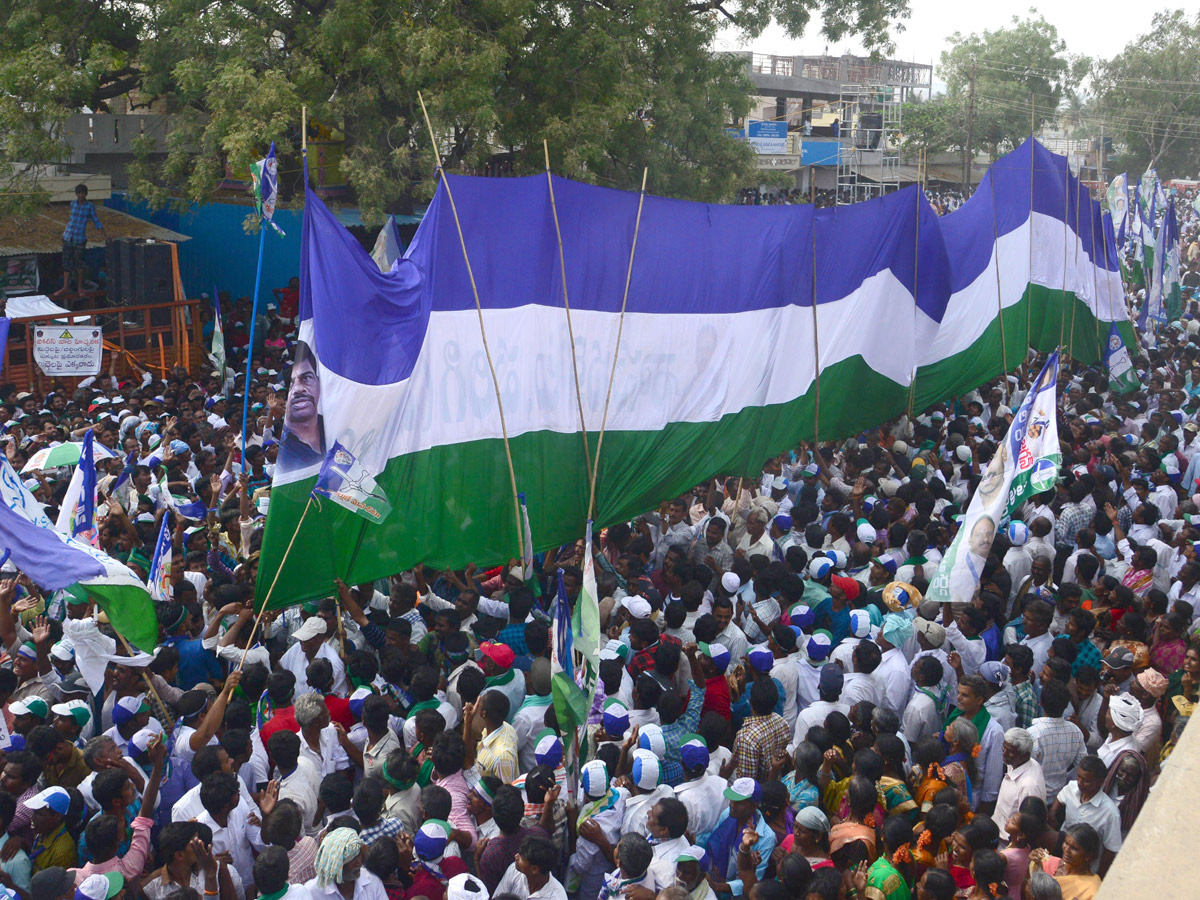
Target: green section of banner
{"type": "Point", "coordinates": [130, 610]}
{"type": "Point", "coordinates": [1043, 318]}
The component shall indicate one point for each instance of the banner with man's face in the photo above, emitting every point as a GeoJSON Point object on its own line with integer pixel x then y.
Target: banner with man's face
{"type": "Point", "coordinates": [1025, 463]}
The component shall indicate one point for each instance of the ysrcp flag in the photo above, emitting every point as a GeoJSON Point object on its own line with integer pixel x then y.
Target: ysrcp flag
{"type": "Point", "coordinates": [1118, 200]}
{"type": "Point", "coordinates": [344, 481]}
{"type": "Point", "coordinates": [160, 566]}
{"type": "Point", "coordinates": [264, 177]}
{"type": "Point", "coordinates": [55, 561]}
{"type": "Point", "coordinates": [1025, 463]}
{"type": "Point", "coordinates": [1122, 377]}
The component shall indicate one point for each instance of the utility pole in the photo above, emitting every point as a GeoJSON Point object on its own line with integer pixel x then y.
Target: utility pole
{"type": "Point", "coordinates": [969, 155]}
{"type": "Point", "coordinates": [1100, 159]}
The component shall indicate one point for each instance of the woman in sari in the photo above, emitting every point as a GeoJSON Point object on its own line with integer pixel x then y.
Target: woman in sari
{"type": "Point", "coordinates": [1168, 649]}
{"type": "Point", "coordinates": [801, 783]}
{"type": "Point", "coordinates": [940, 823]}
{"type": "Point", "coordinates": [928, 775]}
{"type": "Point", "coordinates": [963, 740]}
{"type": "Point", "coordinates": [896, 796]}
{"type": "Point", "coordinates": [854, 840]}
{"type": "Point", "coordinates": [889, 877]}
{"type": "Point", "coordinates": [1183, 690]}
{"type": "Point", "coordinates": [1073, 872]}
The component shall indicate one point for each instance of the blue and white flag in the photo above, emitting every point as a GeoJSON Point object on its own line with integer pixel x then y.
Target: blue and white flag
{"type": "Point", "coordinates": [344, 481]}
{"type": "Point", "coordinates": [1122, 377]}
{"type": "Point", "coordinates": [54, 561]}
{"type": "Point", "coordinates": [160, 565]}
{"type": "Point", "coordinates": [264, 176]}
{"type": "Point", "coordinates": [77, 512]}
{"type": "Point", "coordinates": [571, 704]}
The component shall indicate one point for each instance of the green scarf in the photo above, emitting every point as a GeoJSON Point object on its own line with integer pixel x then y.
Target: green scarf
{"type": "Point", "coordinates": [980, 720]}
{"type": "Point", "coordinates": [500, 680]}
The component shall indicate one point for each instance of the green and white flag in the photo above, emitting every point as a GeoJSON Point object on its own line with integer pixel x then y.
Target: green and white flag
{"type": "Point", "coordinates": [1026, 463]}
{"type": "Point", "coordinates": [344, 481]}
{"type": "Point", "coordinates": [217, 351]}
{"type": "Point", "coordinates": [1122, 377]}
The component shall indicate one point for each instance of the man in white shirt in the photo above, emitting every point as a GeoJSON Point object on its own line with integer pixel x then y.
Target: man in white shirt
{"type": "Point", "coordinates": [1082, 800]}
{"type": "Point", "coordinates": [922, 716]}
{"type": "Point", "coordinates": [1125, 714]}
{"type": "Point", "coordinates": [530, 876]}
{"type": "Point", "coordinates": [299, 780]}
{"type": "Point", "coordinates": [233, 832]}
{"type": "Point", "coordinates": [830, 684]}
{"type": "Point", "coordinates": [1022, 777]}
{"type": "Point", "coordinates": [1036, 620]}
{"type": "Point", "coordinates": [702, 793]}
{"type": "Point", "coordinates": [860, 684]}
{"type": "Point", "coordinates": [962, 631]}
{"type": "Point", "coordinates": [310, 645]}
{"type": "Point", "coordinates": [892, 674]}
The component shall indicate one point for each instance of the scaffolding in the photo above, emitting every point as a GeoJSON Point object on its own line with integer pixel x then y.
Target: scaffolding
{"type": "Point", "coordinates": [868, 140]}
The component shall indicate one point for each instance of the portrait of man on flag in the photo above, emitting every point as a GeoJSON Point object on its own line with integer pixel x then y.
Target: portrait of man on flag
{"type": "Point", "coordinates": [303, 441]}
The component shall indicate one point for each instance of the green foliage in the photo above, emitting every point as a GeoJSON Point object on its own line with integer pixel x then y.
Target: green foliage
{"type": "Point", "coordinates": [1021, 74]}
{"type": "Point", "coordinates": [613, 86]}
{"type": "Point", "coordinates": [934, 126]}
{"type": "Point", "coordinates": [1149, 97]}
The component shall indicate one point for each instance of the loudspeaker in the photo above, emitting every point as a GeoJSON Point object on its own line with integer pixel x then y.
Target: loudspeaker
{"type": "Point", "coordinates": [870, 130]}
{"type": "Point", "coordinates": [153, 281]}
{"type": "Point", "coordinates": [126, 276]}
{"type": "Point", "coordinates": [114, 255]}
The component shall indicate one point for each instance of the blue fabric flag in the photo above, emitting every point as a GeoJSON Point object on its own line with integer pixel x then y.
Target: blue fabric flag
{"type": "Point", "coordinates": [160, 565]}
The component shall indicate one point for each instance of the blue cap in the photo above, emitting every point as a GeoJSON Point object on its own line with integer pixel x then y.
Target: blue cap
{"type": "Point", "coordinates": [693, 751]}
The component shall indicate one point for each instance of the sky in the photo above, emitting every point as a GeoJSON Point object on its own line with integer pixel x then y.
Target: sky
{"type": "Point", "coordinates": [1087, 27]}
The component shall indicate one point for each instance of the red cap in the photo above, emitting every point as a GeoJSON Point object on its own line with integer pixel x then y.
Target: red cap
{"type": "Point", "coordinates": [501, 654]}
{"type": "Point", "coordinates": [848, 586]}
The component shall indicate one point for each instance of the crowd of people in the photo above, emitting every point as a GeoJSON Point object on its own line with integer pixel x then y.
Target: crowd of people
{"type": "Point", "coordinates": [780, 713]}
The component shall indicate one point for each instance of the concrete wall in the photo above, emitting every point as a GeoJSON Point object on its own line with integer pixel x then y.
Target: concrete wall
{"type": "Point", "coordinates": [1156, 858]}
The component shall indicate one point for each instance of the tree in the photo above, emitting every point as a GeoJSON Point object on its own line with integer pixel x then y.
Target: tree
{"type": "Point", "coordinates": [1149, 95]}
{"type": "Point", "coordinates": [934, 126]}
{"type": "Point", "coordinates": [612, 87]}
{"type": "Point", "coordinates": [1019, 75]}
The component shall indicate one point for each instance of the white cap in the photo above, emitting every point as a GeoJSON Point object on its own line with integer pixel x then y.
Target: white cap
{"type": "Point", "coordinates": [314, 626]}
{"type": "Point", "coordinates": [731, 582]}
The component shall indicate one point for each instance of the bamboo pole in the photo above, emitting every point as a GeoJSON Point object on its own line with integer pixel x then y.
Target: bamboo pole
{"type": "Point", "coordinates": [1062, 319]}
{"type": "Point", "coordinates": [163, 709]}
{"type": "Point", "coordinates": [274, 581]}
{"type": "Point", "coordinates": [1078, 242]}
{"type": "Point", "coordinates": [562, 265]}
{"type": "Point", "coordinates": [816, 341]}
{"type": "Point", "coordinates": [991, 177]}
{"type": "Point", "coordinates": [1033, 145]}
{"type": "Point", "coordinates": [512, 475]}
{"type": "Point", "coordinates": [912, 381]}
{"type": "Point", "coordinates": [637, 225]}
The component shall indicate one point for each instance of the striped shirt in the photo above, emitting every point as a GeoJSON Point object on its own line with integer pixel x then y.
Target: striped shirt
{"type": "Point", "coordinates": [497, 754]}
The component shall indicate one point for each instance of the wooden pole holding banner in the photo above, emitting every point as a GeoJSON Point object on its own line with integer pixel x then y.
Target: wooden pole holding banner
{"type": "Point", "coordinates": [562, 265]}
{"type": "Point", "coordinates": [637, 224]}
{"type": "Point", "coordinates": [512, 475]}
{"type": "Point", "coordinates": [991, 177]}
{"type": "Point", "coordinates": [162, 709]}
{"type": "Point", "coordinates": [1029, 285]}
{"type": "Point", "coordinates": [1078, 241]}
{"type": "Point", "coordinates": [912, 381]}
{"type": "Point", "coordinates": [816, 342]}
{"type": "Point", "coordinates": [274, 581]}
{"type": "Point", "coordinates": [162, 355]}
{"type": "Point", "coordinates": [1062, 322]}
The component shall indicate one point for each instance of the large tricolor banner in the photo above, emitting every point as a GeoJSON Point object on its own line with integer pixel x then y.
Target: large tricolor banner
{"type": "Point", "coordinates": [728, 310]}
